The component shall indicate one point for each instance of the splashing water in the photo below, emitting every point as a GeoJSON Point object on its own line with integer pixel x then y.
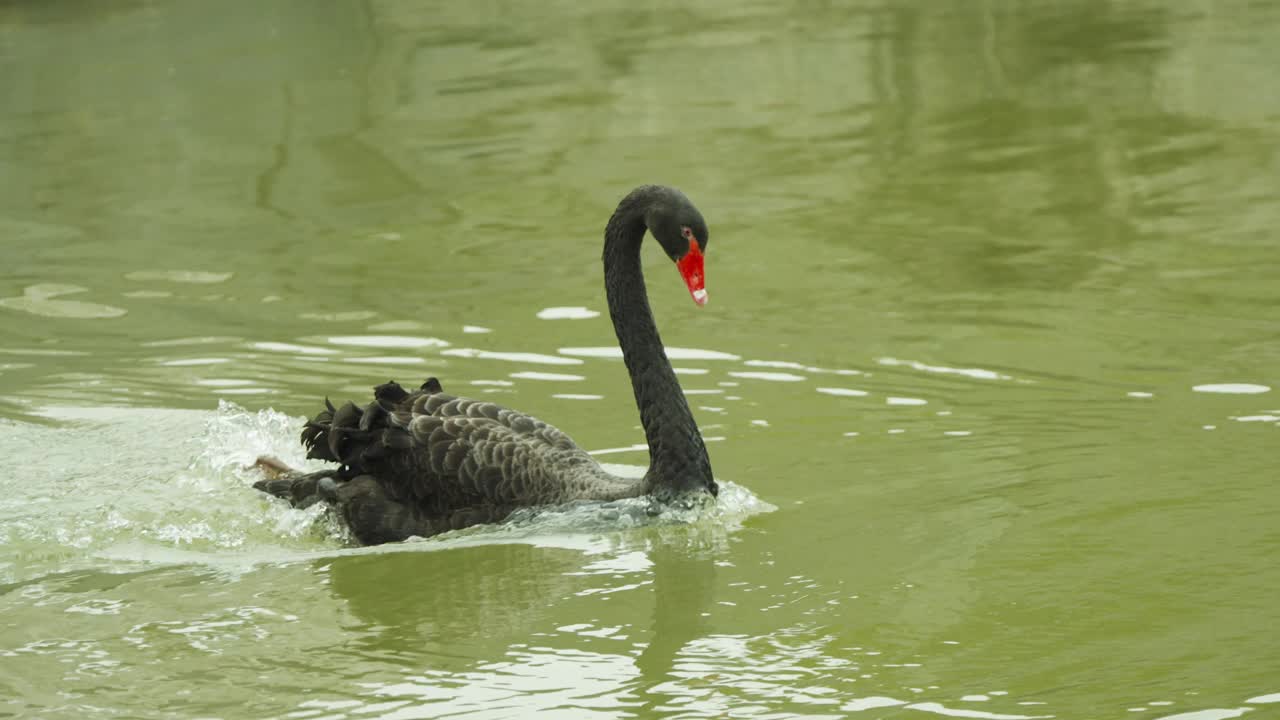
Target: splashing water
{"type": "Point", "coordinates": [120, 488]}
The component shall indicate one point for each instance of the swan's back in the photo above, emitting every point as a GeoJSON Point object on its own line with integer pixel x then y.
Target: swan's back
{"type": "Point", "coordinates": [441, 453]}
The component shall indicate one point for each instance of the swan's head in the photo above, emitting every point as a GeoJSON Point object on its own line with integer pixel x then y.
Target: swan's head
{"type": "Point", "coordinates": [678, 226]}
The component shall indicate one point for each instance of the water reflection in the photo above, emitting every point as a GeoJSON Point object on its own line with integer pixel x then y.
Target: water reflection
{"type": "Point", "coordinates": [42, 300]}
{"type": "Point", "coordinates": [522, 628]}
{"type": "Point", "coordinates": [684, 586]}
{"type": "Point", "coordinates": [196, 277]}
{"type": "Point", "coordinates": [387, 341]}
{"type": "Point", "coordinates": [771, 376]}
{"type": "Point", "coordinates": [567, 313]}
{"type": "Point", "coordinates": [519, 357]}
{"type": "Point", "coordinates": [531, 607]}
{"type": "Point", "coordinates": [1233, 388]}
{"type": "Point", "coordinates": [427, 602]}
{"type": "Point", "coordinates": [552, 377]}
{"type": "Point", "coordinates": [1060, 216]}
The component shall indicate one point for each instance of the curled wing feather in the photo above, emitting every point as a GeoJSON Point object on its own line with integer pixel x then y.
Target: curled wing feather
{"type": "Point", "coordinates": [440, 451]}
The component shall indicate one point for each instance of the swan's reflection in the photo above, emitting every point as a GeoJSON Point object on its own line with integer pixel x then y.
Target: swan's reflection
{"type": "Point", "coordinates": [684, 581]}
{"type": "Point", "coordinates": [483, 625]}
{"type": "Point", "coordinates": [484, 596]}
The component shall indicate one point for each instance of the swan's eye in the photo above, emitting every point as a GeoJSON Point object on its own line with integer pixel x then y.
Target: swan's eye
{"type": "Point", "coordinates": [687, 233]}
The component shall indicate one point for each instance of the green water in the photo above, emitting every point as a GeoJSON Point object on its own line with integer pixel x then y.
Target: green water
{"type": "Point", "coordinates": [989, 365]}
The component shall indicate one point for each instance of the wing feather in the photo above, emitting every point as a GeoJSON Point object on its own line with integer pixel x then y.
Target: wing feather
{"type": "Point", "coordinates": [441, 451]}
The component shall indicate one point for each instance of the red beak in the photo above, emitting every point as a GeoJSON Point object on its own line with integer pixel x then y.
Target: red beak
{"type": "Point", "coordinates": [690, 267]}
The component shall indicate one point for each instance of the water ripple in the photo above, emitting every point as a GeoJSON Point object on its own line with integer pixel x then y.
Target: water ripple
{"type": "Point", "coordinates": [40, 300]}
{"type": "Point", "coordinates": [519, 357]}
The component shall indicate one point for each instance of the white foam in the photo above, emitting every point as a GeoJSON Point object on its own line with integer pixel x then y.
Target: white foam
{"type": "Point", "coordinates": [940, 709]}
{"type": "Point", "coordinates": [842, 392]}
{"type": "Point", "coordinates": [387, 341]}
{"type": "Point", "coordinates": [677, 353]}
{"type": "Point", "coordinates": [554, 377]}
{"type": "Point", "coordinates": [385, 360]}
{"type": "Point", "coordinates": [195, 361]}
{"type": "Point", "coordinates": [871, 703]}
{"type": "Point", "coordinates": [567, 313]}
{"type": "Point", "coordinates": [978, 373]}
{"type": "Point", "coordinates": [1232, 388]}
{"type": "Point", "coordinates": [520, 357]}
{"type": "Point", "coordinates": [782, 364]}
{"type": "Point", "coordinates": [771, 376]}
{"type": "Point", "coordinates": [292, 348]}
{"type": "Point", "coordinates": [175, 523]}
{"type": "Point", "coordinates": [1207, 714]}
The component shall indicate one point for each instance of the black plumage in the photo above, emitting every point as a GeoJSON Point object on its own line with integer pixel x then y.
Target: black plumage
{"type": "Point", "coordinates": [423, 462]}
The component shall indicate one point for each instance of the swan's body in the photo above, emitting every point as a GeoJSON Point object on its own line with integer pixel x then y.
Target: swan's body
{"type": "Point", "coordinates": [423, 462]}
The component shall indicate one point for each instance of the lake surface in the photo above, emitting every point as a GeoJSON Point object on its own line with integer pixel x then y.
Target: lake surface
{"type": "Point", "coordinates": [990, 370]}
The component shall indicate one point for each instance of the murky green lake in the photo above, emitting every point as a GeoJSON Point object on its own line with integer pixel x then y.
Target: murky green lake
{"type": "Point", "coordinates": [991, 367]}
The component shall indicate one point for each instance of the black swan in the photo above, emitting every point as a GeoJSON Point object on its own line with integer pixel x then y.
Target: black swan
{"type": "Point", "coordinates": [424, 462]}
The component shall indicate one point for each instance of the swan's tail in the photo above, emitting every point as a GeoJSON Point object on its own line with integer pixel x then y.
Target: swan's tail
{"type": "Point", "coordinates": [358, 439]}
{"type": "Point", "coordinates": [354, 436]}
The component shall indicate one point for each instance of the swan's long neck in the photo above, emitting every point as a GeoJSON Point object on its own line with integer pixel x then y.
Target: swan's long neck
{"type": "Point", "coordinates": [678, 459]}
